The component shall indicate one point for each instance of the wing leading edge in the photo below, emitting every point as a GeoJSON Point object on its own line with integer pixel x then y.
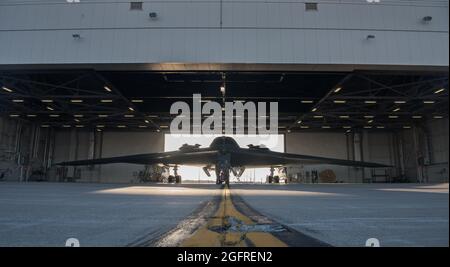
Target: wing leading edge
{"type": "Point", "coordinates": [254, 158]}
{"type": "Point", "coordinates": [199, 157]}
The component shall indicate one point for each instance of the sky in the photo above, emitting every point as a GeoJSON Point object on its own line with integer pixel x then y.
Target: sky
{"type": "Point", "coordinates": [174, 141]}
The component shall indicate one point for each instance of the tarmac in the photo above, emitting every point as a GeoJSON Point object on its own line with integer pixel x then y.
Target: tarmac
{"type": "Point", "coordinates": [47, 214]}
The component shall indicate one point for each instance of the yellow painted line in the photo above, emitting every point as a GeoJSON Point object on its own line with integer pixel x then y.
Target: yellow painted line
{"type": "Point", "coordinates": [205, 237]}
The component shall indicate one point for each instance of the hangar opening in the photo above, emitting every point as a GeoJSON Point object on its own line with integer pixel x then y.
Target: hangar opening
{"type": "Point", "coordinates": [251, 175]}
{"type": "Point", "coordinates": [395, 118]}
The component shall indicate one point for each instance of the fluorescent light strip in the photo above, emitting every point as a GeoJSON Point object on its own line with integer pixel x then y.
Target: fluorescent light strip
{"type": "Point", "coordinates": [107, 88]}
{"type": "Point", "coordinates": [102, 116]}
{"type": "Point", "coordinates": [7, 89]}
{"type": "Point", "coordinates": [428, 102]}
{"type": "Point", "coordinates": [339, 101]}
{"type": "Point", "coordinates": [439, 90]}
{"type": "Point", "coordinates": [137, 101]}
{"type": "Point", "coordinates": [337, 89]}
{"type": "Point", "coordinates": [370, 102]}
{"type": "Point", "coordinates": [128, 116]}
{"type": "Point", "coordinates": [393, 117]}
{"type": "Point", "coordinates": [344, 116]}
{"type": "Point", "coordinates": [31, 115]}
{"type": "Point", "coordinates": [400, 102]}
{"type": "Point", "coordinates": [317, 117]}
{"type": "Point", "coordinates": [76, 100]}
{"type": "Point", "coordinates": [106, 101]}
{"type": "Point", "coordinates": [417, 117]}
{"type": "Point", "coordinates": [47, 101]}
{"type": "Point", "coordinates": [307, 101]}
{"type": "Point", "coordinates": [54, 115]}
{"type": "Point", "coordinates": [369, 117]}
{"type": "Point", "coordinates": [14, 115]}
{"type": "Point", "coordinates": [17, 100]}
{"type": "Point", "coordinates": [304, 127]}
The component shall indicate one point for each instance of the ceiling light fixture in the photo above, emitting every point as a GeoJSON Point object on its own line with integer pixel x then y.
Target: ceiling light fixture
{"type": "Point", "coordinates": [439, 90]}
{"type": "Point", "coordinates": [107, 88]}
{"type": "Point", "coordinates": [428, 102]}
{"type": "Point", "coordinates": [337, 89]}
{"type": "Point", "coordinates": [7, 89]}
{"type": "Point", "coordinates": [370, 102]}
{"type": "Point", "coordinates": [17, 100]}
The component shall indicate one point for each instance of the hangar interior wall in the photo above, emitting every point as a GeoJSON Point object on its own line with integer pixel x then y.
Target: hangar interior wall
{"type": "Point", "coordinates": [26, 148]}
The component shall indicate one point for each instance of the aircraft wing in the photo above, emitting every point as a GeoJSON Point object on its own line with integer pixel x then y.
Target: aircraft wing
{"type": "Point", "coordinates": [254, 158]}
{"type": "Point", "coordinates": [198, 157]}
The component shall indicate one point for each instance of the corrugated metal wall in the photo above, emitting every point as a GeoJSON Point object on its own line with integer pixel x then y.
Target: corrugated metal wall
{"type": "Point", "coordinates": [40, 32]}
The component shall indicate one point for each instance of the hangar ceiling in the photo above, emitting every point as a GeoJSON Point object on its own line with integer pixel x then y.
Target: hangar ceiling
{"type": "Point", "coordinates": [141, 99]}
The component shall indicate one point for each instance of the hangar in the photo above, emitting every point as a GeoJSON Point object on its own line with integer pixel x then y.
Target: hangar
{"type": "Point", "coordinates": [353, 80]}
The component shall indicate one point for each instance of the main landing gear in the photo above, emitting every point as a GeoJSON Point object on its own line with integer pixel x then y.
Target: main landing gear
{"type": "Point", "coordinates": [271, 178]}
{"type": "Point", "coordinates": [174, 178]}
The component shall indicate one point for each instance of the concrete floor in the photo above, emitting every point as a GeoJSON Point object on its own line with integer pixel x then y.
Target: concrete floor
{"type": "Point", "coordinates": [46, 214]}
{"type": "Point", "coordinates": [349, 214]}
